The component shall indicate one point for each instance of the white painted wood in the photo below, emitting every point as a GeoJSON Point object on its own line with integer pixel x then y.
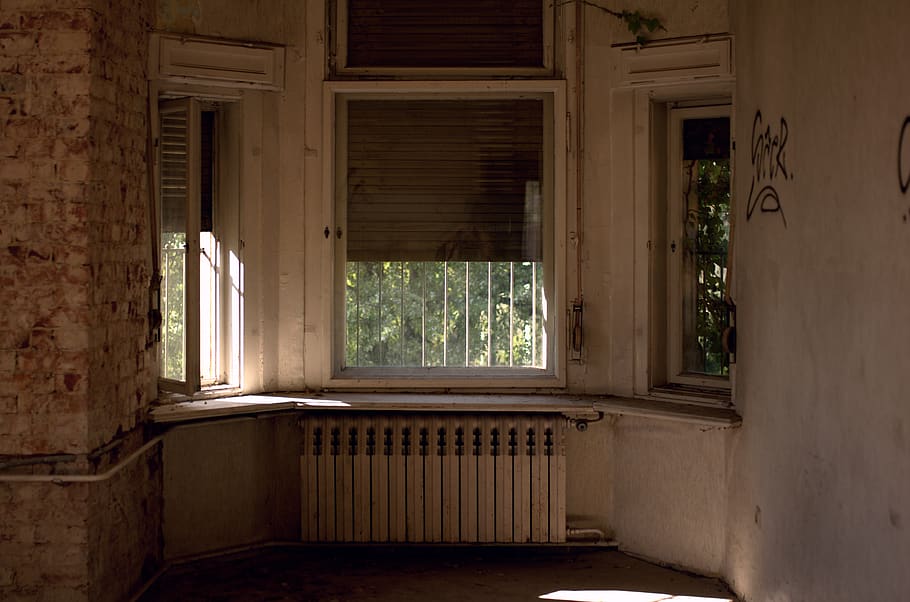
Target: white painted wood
{"type": "Point", "coordinates": [415, 486]}
{"type": "Point", "coordinates": [687, 59]}
{"type": "Point", "coordinates": [502, 466]}
{"type": "Point", "coordinates": [217, 62]}
{"type": "Point", "coordinates": [451, 501]}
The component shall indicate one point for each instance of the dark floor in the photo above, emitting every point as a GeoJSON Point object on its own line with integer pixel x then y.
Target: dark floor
{"type": "Point", "coordinates": [432, 573]}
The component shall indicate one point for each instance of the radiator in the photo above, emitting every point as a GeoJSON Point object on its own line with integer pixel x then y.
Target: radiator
{"type": "Point", "coordinates": [433, 478]}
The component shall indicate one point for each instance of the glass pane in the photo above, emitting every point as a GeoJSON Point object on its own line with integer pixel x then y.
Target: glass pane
{"type": "Point", "coordinates": [210, 298]}
{"type": "Point", "coordinates": [706, 186]}
{"type": "Point", "coordinates": [173, 244]}
{"type": "Point", "coordinates": [404, 33]}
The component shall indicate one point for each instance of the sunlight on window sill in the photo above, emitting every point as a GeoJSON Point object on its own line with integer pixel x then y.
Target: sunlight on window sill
{"type": "Point", "coordinates": [623, 596]}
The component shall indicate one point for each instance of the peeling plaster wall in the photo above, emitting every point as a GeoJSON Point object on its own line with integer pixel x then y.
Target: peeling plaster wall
{"type": "Point", "coordinates": [670, 491]}
{"type": "Point", "coordinates": [820, 486]}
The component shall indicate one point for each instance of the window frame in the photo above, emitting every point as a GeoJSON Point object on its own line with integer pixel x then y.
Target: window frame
{"type": "Point", "coordinates": [648, 110]}
{"type": "Point", "coordinates": [337, 55]}
{"type": "Point", "coordinates": [225, 224]}
{"type": "Point", "coordinates": [553, 376]}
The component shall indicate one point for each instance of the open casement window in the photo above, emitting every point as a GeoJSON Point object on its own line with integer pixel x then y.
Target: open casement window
{"type": "Point", "coordinates": [698, 234]}
{"type": "Point", "coordinates": [195, 295]}
{"type": "Point", "coordinates": [511, 37]}
{"type": "Point", "coordinates": [445, 268]}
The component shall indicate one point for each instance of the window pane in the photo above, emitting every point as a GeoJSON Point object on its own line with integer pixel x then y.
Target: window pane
{"type": "Point", "coordinates": [468, 33]}
{"type": "Point", "coordinates": [209, 258]}
{"type": "Point", "coordinates": [706, 187]}
{"type": "Point", "coordinates": [444, 240]}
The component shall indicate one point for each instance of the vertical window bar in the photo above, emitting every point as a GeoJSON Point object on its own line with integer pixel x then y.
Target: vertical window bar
{"type": "Point", "coordinates": [359, 311]}
{"type": "Point", "coordinates": [445, 313]}
{"type": "Point", "coordinates": [533, 313]}
{"type": "Point", "coordinates": [511, 313]}
{"type": "Point", "coordinates": [489, 313]}
{"type": "Point", "coordinates": [401, 316]}
{"type": "Point", "coordinates": [379, 326]}
{"type": "Point", "coordinates": [423, 314]}
{"type": "Point", "coordinates": [467, 314]}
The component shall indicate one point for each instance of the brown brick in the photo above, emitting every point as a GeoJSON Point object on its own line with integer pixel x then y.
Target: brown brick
{"type": "Point", "coordinates": [16, 43]}
{"type": "Point", "coordinates": [60, 20]}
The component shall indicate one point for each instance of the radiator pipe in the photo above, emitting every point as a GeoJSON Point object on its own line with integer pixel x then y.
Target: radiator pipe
{"type": "Point", "coordinates": [80, 478]}
{"type": "Point", "coordinates": [578, 534]}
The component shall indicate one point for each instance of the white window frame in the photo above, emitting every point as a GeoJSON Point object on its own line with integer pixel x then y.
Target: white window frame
{"type": "Point", "coordinates": [338, 54]}
{"type": "Point", "coordinates": [553, 376]}
{"type": "Point", "coordinates": [648, 185]}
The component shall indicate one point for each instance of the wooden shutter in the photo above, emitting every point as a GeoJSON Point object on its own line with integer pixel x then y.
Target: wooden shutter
{"type": "Point", "coordinates": [444, 180]}
{"type": "Point", "coordinates": [439, 34]}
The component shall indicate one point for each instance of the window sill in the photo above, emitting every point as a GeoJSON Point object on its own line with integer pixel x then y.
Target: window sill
{"type": "Point", "coordinates": [675, 409]}
{"type": "Point", "coordinates": [689, 394]}
{"type": "Point", "coordinates": [579, 407]}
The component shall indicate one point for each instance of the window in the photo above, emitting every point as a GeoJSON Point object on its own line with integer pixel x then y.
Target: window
{"type": "Point", "coordinates": [446, 214]}
{"type": "Point", "coordinates": [512, 37]}
{"type": "Point", "coordinates": [699, 218]}
{"type": "Point", "coordinates": [199, 270]}
{"type": "Point", "coordinates": [692, 252]}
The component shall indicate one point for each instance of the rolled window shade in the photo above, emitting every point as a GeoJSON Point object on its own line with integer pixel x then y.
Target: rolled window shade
{"type": "Point", "coordinates": [444, 180]}
{"type": "Point", "coordinates": [467, 33]}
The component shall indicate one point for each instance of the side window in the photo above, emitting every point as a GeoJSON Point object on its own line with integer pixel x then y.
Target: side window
{"type": "Point", "coordinates": [198, 239]}
{"type": "Point", "coordinates": [698, 235]}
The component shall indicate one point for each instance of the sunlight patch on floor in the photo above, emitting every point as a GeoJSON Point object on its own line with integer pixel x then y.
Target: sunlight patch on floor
{"type": "Point", "coordinates": [623, 596]}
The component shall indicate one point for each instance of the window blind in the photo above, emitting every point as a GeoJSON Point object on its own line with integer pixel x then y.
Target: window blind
{"type": "Point", "coordinates": [467, 33]}
{"type": "Point", "coordinates": [444, 180]}
{"type": "Point", "coordinates": [174, 169]}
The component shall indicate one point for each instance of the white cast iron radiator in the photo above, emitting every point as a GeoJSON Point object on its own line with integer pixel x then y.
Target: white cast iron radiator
{"type": "Point", "coordinates": [433, 478]}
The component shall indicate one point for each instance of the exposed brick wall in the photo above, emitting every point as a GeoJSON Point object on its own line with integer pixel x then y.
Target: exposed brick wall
{"type": "Point", "coordinates": [75, 262]}
{"type": "Point", "coordinates": [82, 541]}
{"type": "Point", "coordinates": [44, 541]}
{"type": "Point", "coordinates": [74, 368]}
{"type": "Point", "coordinates": [124, 535]}
{"type": "Point", "coordinates": [45, 272]}
{"type": "Point", "coordinates": [117, 211]}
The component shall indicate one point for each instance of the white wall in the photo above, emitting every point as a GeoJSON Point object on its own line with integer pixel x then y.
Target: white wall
{"type": "Point", "coordinates": [820, 497]}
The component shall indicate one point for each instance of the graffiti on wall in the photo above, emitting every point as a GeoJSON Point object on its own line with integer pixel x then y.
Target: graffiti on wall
{"type": "Point", "coordinates": [903, 156]}
{"type": "Point", "coordinates": [903, 161]}
{"type": "Point", "coordinates": [769, 167]}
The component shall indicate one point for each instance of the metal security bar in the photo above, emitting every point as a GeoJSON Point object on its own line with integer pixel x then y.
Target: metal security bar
{"type": "Point", "coordinates": [446, 313]}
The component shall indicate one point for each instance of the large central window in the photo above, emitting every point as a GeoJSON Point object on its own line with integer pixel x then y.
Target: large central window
{"type": "Point", "coordinates": [445, 260]}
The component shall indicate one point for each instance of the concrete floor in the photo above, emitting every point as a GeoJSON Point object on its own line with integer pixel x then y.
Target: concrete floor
{"type": "Point", "coordinates": [379, 573]}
